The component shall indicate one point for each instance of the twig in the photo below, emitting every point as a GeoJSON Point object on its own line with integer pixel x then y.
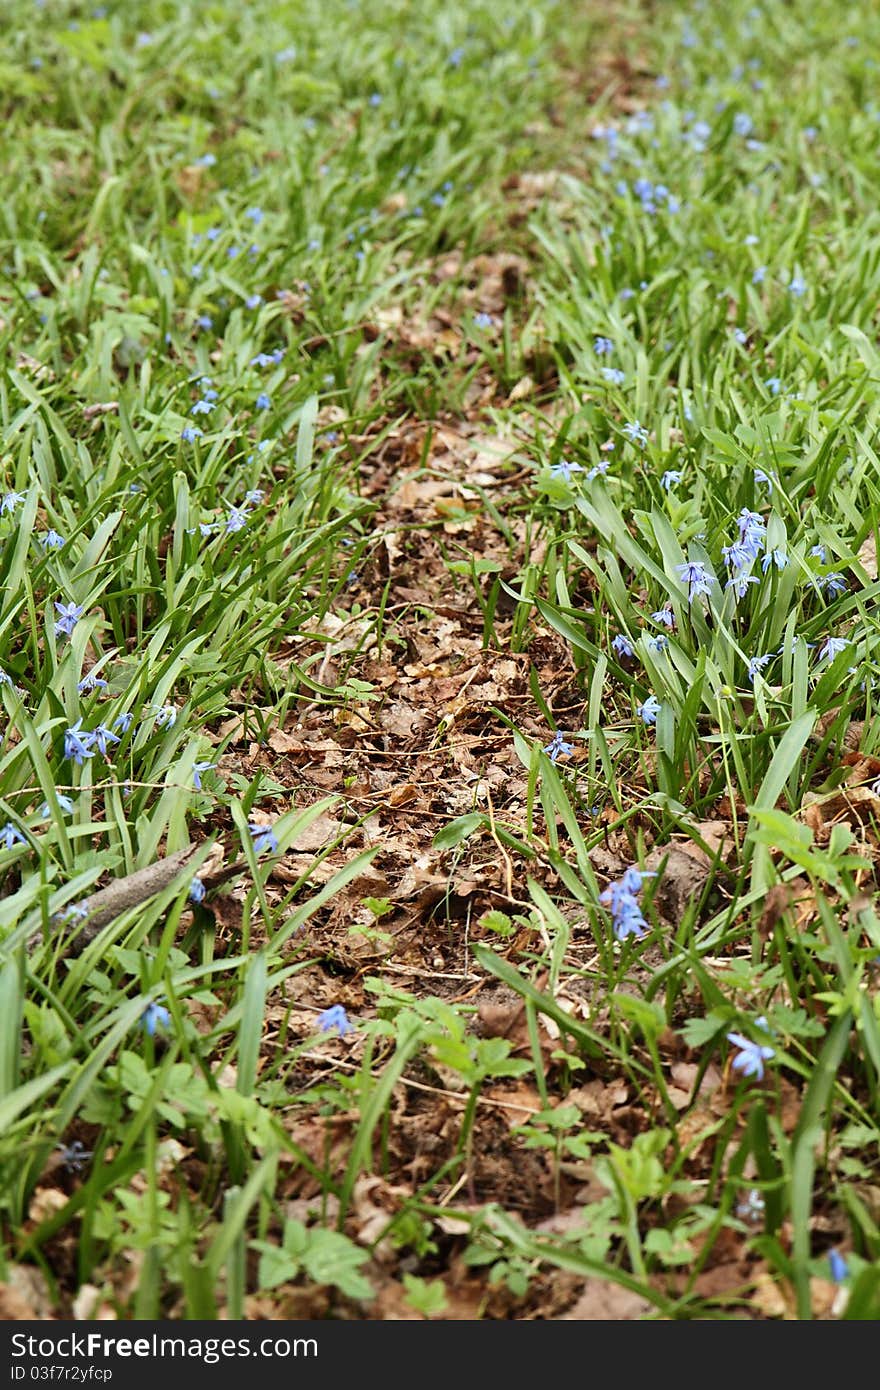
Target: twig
{"type": "Point", "coordinates": [102, 907]}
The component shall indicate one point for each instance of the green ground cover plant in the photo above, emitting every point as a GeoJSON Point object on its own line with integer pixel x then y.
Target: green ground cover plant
{"type": "Point", "coordinates": [438, 540]}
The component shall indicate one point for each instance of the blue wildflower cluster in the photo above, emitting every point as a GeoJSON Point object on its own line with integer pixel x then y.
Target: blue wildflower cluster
{"type": "Point", "coordinates": [622, 901]}
{"type": "Point", "coordinates": [751, 1056]}
{"type": "Point", "coordinates": [335, 1018]}
{"type": "Point", "coordinates": [557, 747]}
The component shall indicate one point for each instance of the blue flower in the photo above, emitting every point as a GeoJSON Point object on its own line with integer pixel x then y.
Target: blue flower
{"type": "Point", "coordinates": [166, 716]}
{"type": "Point", "coordinates": [621, 900]}
{"type": "Point", "coordinates": [237, 519]}
{"type": "Point", "coordinates": [79, 743]}
{"type": "Point", "coordinates": [837, 1266]}
{"type": "Point", "coordinates": [752, 529]}
{"type": "Point", "coordinates": [204, 320]}
{"type": "Point", "coordinates": [253, 301]}
{"type": "Point", "coordinates": [742, 123]}
{"type": "Point", "coordinates": [832, 647]}
{"type": "Point", "coordinates": [820, 553]}
{"type": "Point", "coordinates": [751, 1057]}
{"type": "Point", "coordinates": [636, 433]}
{"type": "Point", "coordinates": [797, 286]}
{"type": "Point", "coordinates": [68, 615]}
{"type": "Point", "coordinates": [603, 347]}
{"type": "Point", "coordinates": [757, 664]}
{"type": "Point", "coordinates": [740, 582]}
{"type": "Point", "coordinates": [189, 433]}
{"type": "Point", "coordinates": [623, 646]}
{"type": "Point", "coordinates": [834, 584]}
{"type": "Point", "coordinates": [155, 1016]}
{"type": "Point", "coordinates": [202, 407]}
{"type": "Point", "coordinates": [670, 478]}
{"type": "Point", "coordinates": [751, 1208]}
{"type": "Point", "coordinates": [482, 320]}
{"type": "Point", "coordinates": [123, 721]}
{"type": "Point", "coordinates": [64, 804]}
{"type": "Point", "coordinates": [775, 557]}
{"type": "Point", "coordinates": [695, 575]}
{"type": "Point", "coordinates": [197, 891]}
{"type": "Point", "coordinates": [198, 769]}
{"type": "Point", "coordinates": [564, 469]}
{"type": "Point", "coordinates": [103, 738]}
{"type": "Point", "coordinates": [10, 501]}
{"type": "Point", "coordinates": [768, 479]}
{"type": "Point", "coordinates": [74, 1156]}
{"type": "Point", "coordinates": [264, 839]}
{"type": "Point", "coordinates": [263, 401]}
{"type": "Point", "coordinates": [11, 835]}
{"type": "Point", "coordinates": [614, 376]}
{"type": "Point", "coordinates": [759, 274]}
{"type": "Point", "coordinates": [74, 912]}
{"type": "Point", "coordinates": [91, 682]}
{"type": "Point", "coordinates": [335, 1017]}
{"type": "Point", "coordinates": [738, 556]}
{"type": "Point", "coordinates": [558, 747]}
{"type": "Point", "coordinates": [648, 710]}
{"type": "Point", "coordinates": [774, 385]}
{"type": "Point", "coordinates": [256, 215]}
{"type": "Point", "coordinates": [51, 540]}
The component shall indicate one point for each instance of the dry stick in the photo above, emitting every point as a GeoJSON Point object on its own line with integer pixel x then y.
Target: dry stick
{"type": "Point", "coordinates": [102, 907]}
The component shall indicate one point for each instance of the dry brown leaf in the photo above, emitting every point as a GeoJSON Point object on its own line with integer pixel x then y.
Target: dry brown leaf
{"type": "Point", "coordinates": [522, 390]}
{"type": "Point", "coordinates": [517, 1103]}
{"type": "Point", "coordinates": [771, 1296]}
{"type": "Point", "coordinates": [404, 794]}
{"type": "Point", "coordinates": [777, 901]}
{"type": "Point", "coordinates": [92, 1304]}
{"type": "Point", "coordinates": [868, 557]}
{"type": "Point", "coordinates": [322, 831]}
{"type": "Point", "coordinates": [716, 834]}
{"type": "Point", "coordinates": [24, 1295]}
{"type": "Point", "coordinates": [46, 1202]}
{"type": "Point", "coordinates": [189, 179]}
{"type": "Point", "coordinates": [598, 1097]}
{"type": "Point", "coordinates": [733, 1277]}
{"type": "Point", "coordinates": [856, 805]}
{"type": "Point", "coordinates": [602, 1301]}
{"type": "Point", "coordinates": [684, 1074]}
{"type": "Point", "coordinates": [685, 875]}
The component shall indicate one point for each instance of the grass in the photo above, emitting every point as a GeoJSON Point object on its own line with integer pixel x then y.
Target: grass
{"type": "Point", "coordinates": [226, 241]}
